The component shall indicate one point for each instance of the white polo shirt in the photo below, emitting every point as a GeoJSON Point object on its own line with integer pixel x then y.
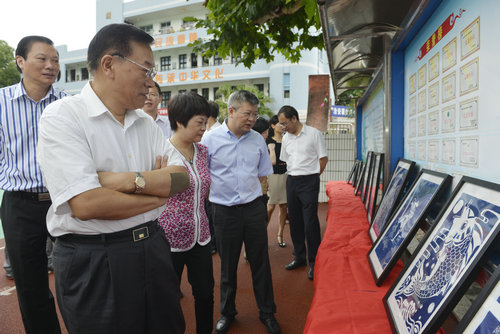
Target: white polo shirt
{"type": "Point", "coordinates": [78, 137]}
{"type": "Point", "coordinates": [164, 123]}
{"type": "Point", "coordinates": [302, 152]}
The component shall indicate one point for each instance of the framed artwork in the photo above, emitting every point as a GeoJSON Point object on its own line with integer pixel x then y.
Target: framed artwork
{"type": "Point", "coordinates": [366, 175]}
{"type": "Point", "coordinates": [376, 182]}
{"type": "Point", "coordinates": [469, 39]}
{"type": "Point", "coordinates": [357, 171]}
{"type": "Point", "coordinates": [484, 314]}
{"type": "Point", "coordinates": [359, 181]}
{"type": "Point", "coordinates": [405, 222]}
{"type": "Point", "coordinates": [447, 259]}
{"type": "Point", "coordinates": [352, 172]}
{"type": "Point", "coordinates": [392, 195]}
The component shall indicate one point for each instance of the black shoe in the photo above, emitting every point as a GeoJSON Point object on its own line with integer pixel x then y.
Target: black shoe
{"type": "Point", "coordinates": [295, 264]}
{"type": "Point", "coordinates": [223, 324]}
{"type": "Point", "coordinates": [272, 325]}
{"type": "Point", "coordinates": [310, 273]}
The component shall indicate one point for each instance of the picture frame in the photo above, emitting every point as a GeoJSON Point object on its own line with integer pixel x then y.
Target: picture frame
{"type": "Point", "coordinates": [483, 316]}
{"type": "Point", "coordinates": [359, 181]}
{"type": "Point", "coordinates": [399, 178]}
{"type": "Point", "coordinates": [352, 172]}
{"type": "Point", "coordinates": [447, 260]}
{"type": "Point", "coordinates": [359, 165]}
{"type": "Point", "coordinates": [366, 176]}
{"type": "Point", "coordinates": [405, 222]}
{"type": "Point", "coordinates": [376, 181]}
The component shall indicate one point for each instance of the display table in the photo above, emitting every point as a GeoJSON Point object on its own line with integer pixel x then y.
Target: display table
{"type": "Point", "coordinates": [346, 299]}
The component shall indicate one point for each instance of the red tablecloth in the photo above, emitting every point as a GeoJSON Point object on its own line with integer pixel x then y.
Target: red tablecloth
{"type": "Point", "coordinates": [346, 299]}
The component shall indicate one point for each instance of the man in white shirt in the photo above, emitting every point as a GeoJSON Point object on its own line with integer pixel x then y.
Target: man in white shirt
{"type": "Point", "coordinates": [104, 166]}
{"type": "Point", "coordinates": [153, 100]}
{"type": "Point", "coordinates": [304, 151]}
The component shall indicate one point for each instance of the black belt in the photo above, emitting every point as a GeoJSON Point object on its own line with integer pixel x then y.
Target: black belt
{"type": "Point", "coordinates": [40, 197]}
{"type": "Point", "coordinates": [241, 205]}
{"type": "Point", "coordinates": [135, 234]}
{"type": "Point", "coordinates": [302, 176]}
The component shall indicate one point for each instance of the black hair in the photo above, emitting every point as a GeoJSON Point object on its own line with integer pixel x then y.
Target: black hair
{"type": "Point", "coordinates": [273, 121]}
{"type": "Point", "coordinates": [158, 88]}
{"type": "Point", "coordinates": [239, 97]}
{"type": "Point", "coordinates": [183, 107]}
{"type": "Point", "coordinates": [261, 125]}
{"type": "Point", "coordinates": [114, 38]}
{"type": "Point", "coordinates": [289, 112]}
{"type": "Point", "coordinates": [214, 109]}
{"type": "Point", "coordinates": [25, 44]}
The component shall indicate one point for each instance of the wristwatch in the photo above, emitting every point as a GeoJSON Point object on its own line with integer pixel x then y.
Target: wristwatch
{"type": "Point", "coordinates": [140, 183]}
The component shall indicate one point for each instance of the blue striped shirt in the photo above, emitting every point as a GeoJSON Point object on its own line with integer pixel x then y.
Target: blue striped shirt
{"type": "Point", "coordinates": [19, 116]}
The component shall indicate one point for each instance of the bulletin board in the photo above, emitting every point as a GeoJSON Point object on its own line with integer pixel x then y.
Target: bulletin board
{"type": "Point", "coordinates": [452, 122]}
{"type": "Point", "coordinates": [372, 134]}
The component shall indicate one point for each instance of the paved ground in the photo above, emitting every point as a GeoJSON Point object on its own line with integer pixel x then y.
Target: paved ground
{"type": "Point", "coordinates": [293, 292]}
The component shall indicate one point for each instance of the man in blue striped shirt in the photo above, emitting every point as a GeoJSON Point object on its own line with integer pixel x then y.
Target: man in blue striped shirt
{"type": "Point", "coordinates": [26, 200]}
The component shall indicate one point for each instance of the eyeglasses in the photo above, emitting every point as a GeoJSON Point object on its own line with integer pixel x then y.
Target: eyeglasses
{"type": "Point", "coordinates": [248, 115]}
{"type": "Point", "coordinates": [150, 72]}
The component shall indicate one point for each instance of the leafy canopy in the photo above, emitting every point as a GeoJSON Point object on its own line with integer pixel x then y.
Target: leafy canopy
{"type": "Point", "coordinates": [259, 29]}
{"type": "Point", "coordinates": [8, 70]}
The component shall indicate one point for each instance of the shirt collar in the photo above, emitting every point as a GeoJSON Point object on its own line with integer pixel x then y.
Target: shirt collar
{"type": "Point", "coordinates": [20, 92]}
{"type": "Point", "coordinates": [226, 130]}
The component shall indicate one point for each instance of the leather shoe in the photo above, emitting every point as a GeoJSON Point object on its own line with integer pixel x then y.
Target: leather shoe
{"type": "Point", "coordinates": [223, 324]}
{"type": "Point", "coordinates": [295, 264]}
{"type": "Point", "coordinates": [272, 325]}
{"type": "Point", "coordinates": [310, 273]}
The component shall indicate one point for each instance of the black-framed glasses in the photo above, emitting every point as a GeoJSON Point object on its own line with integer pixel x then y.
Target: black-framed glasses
{"type": "Point", "coordinates": [150, 72]}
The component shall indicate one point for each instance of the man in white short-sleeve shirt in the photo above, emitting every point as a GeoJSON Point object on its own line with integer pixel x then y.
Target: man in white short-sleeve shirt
{"type": "Point", "coordinates": [104, 166]}
{"type": "Point", "coordinates": [153, 99]}
{"type": "Point", "coordinates": [304, 151]}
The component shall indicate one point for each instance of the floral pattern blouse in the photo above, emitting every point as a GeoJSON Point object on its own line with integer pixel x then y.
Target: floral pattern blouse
{"type": "Point", "coordinates": [184, 219]}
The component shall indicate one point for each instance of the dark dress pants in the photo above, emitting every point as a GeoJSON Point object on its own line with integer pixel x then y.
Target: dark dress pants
{"type": "Point", "coordinates": [198, 261]}
{"type": "Point", "coordinates": [233, 226]}
{"type": "Point", "coordinates": [25, 230]}
{"type": "Point", "coordinates": [302, 197]}
{"type": "Point", "coordinates": [118, 288]}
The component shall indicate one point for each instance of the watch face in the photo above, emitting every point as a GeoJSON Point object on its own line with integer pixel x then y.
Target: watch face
{"type": "Point", "coordinates": [139, 181]}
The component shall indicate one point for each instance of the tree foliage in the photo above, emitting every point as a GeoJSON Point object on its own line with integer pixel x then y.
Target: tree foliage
{"type": "Point", "coordinates": [260, 29]}
{"type": "Point", "coordinates": [225, 90]}
{"type": "Point", "coordinates": [8, 70]}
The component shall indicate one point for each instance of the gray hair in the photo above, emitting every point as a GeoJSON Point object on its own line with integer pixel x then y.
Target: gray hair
{"type": "Point", "coordinates": [239, 97]}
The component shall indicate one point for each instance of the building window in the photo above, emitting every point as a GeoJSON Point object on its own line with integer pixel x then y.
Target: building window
{"type": "Point", "coordinates": [85, 73]}
{"type": "Point", "coordinates": [165, 63]}
{"type": "Point", "coordinates": [165, 27]}
{"type": "Point", "coordinates": [216, 93]}
{"type": "Point", "coordinates": [260, 87]}
{"type": "Point", "coordinates": [148, 28]}
{"type": "Point", "coordinates": [165, 97]}
{"type": "Point", "coordinates": [286, 85]}
{"type": "Point", "coordinates": [204, 61]}
{"type": "Point", "coordinates": [182, 61]}
{"type": "Point", "coordinates": [204, 93]}
{"type": "Point", "coordinates": [72, 75]}
{"type": "Point", "coordinates": [194, 90]}
{"type": "Point", "coordinates": [182, 91]}
{"type": "Point", "coordinates": [234, 59]}
{"type": "Point", "coordinates": [217, 59]}
{"type": "Point", "coordinates": [194, 60]}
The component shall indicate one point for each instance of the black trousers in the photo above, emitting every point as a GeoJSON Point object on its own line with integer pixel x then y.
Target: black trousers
{"type": "Point", "coordinates": [233, 226]}
{"type": "Point", "coordinates": [25, 229]}
{"type": "Point", "coordinates": [208, 210]}
{"type": "Point", "coordinates": [302, 197]}
{"type": "Point", "coordinates": [198, 261]}
{"type": "Point", "coordinates": [118, 287]}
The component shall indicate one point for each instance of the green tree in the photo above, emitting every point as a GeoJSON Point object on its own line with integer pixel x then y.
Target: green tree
{"type": "Point", "coordinates": [259, 29]}
{"type": "Point", "coordinates": [225, 90]}
{"type": "Point", "coordinates": [8, 70]}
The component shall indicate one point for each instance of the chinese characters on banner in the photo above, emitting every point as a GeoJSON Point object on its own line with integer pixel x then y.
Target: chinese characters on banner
{"type": "Point", "coordinates": [193, 75]}
{"type": "Point", "coordinates": [173, 40]}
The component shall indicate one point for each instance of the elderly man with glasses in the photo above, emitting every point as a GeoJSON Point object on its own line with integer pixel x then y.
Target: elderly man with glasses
{"type": "Point", "coordinates": [103, 160]}
{"type": "Point", "coordinates": [238, 159]}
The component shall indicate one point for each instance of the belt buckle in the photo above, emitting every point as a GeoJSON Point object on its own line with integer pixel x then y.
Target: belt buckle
{"type": "Point", "coordinates": [140, 233]}
{"type": "Point", "coordinates": [42, 197]}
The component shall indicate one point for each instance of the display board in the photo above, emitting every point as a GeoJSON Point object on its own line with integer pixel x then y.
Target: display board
{"type": "Point", "coordinates": [452, 123]}
{"type": "Point", "coordinates": [372, 136]}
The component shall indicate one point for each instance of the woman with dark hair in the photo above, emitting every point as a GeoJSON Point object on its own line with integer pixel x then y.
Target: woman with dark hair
{"type": "Point", "coordinates": [277, 180]}
{"type": "Point", "coordinates": [184, 219]}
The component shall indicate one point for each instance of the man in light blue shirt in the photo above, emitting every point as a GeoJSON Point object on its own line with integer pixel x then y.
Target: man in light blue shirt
{"type": "Point", "coordinates": [238, 159]}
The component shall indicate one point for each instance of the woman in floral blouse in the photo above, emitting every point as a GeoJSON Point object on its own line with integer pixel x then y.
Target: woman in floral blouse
{"type": "Point", "coordinates": [184, 219]}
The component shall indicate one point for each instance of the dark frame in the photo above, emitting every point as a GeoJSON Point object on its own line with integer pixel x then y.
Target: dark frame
{"type": "Point", "coordinates": [366, 176]}
{"type": "Point", "coordinates": [392, 196]}
{"type": "Point", "coordinates": [392, 242]}
{"type": "Point", "coordinates": [374, 186]}
{"type": "Point", "coordinates": [491, 291]}
{"type": "Point", "coordinates": [359, 165]}
{"type": "Point", "coordinates": [359, 181]}
{"type": "Point", "coordinates": [352, 172]}
{"type": "Point", "coordinates": [447, 260]}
